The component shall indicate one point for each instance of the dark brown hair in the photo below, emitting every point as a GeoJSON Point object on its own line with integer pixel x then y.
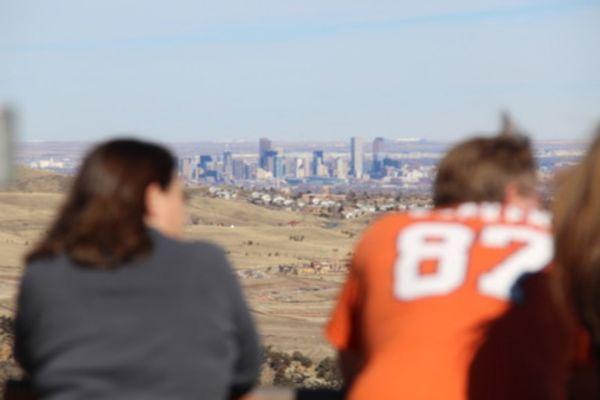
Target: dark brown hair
{"type": "Point", "coordinates": [101, 224]}
{"type": "Point", "coordinates": [480, 168]}
{"type": "Point", "coordinates": [577, 235]}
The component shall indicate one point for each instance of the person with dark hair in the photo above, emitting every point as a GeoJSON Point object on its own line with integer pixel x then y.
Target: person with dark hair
{"type": "Point", "coordinates": [115, 305]}
{"type": "Point", "coordinates": [423, 285]}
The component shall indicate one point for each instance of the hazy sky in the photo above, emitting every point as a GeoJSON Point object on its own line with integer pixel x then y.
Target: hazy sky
{"type": "Point", "coordinates": [239, 69]}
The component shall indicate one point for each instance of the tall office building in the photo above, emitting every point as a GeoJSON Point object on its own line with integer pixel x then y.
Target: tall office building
{"type": "Point", "coordinates": [356, 157]}
{"type": "Point", "coordinates": [227, 163]}
{"type": "Point", "coordinates": [378, 156]}
{"type": "Point", "coordinates": [297, 168]}
{"type": "Point", "coordinates": [341, 168]}
{"type": "Point", "coordinates": [306, 166]}
{"type": "Point", "coordinates": [186, 168]}
{"type": "Point", "coordinates": [269, 161]}
{"type": "Point", "coordinates": [289, 166]}
{"type": "Point", "coordinates": [239, 169]}
{"type": "Point", "coordinates": [264, 146]}
{"type": "Point", "coordinates": [278, 167]}
{"type": "Point", "coordinates": [317, 161]}
{"type": "Point", "coordinates": [205, 161]}
{"type": "Point", "coordinates": [378, 146]}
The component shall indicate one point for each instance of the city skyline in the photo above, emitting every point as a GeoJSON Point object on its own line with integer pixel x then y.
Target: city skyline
{"type": "Point", "coordinates": [232, 70]}
{"type": "Point", "coordinates": [316, 169]}
{"type": "Point", "coordinates": [378, 165]}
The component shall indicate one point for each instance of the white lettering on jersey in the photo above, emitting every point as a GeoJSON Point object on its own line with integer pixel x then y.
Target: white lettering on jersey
{"type": "Point", "coordinates": [445, 242]}
{"type": "Point", "coordinates": [449, 245]}
{"type": "Point", "coordinates": [536, 254]}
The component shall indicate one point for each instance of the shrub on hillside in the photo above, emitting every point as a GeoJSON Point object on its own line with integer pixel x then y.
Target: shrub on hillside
{"type": "Point", "coordinates": [299, 371]}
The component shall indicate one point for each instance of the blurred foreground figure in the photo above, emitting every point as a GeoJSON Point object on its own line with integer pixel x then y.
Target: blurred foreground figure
{"type": "Point", "coordinates": [113, 305]}
{"type": "Point", "coordinates": [455, 302]}
{"type": "Point", "coordinates": [577, 233]}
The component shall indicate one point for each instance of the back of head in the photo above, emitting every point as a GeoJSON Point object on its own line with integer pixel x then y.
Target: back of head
{"type": "Point", "coordinates": [101, 224]}
{"type": "Point", "coordinates": [577, 234]}
{"type": "Point", "coordinates": [480, 170]}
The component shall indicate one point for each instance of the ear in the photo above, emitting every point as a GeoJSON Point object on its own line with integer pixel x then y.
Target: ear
{"type": "Point", "coordinates": [152, 198]}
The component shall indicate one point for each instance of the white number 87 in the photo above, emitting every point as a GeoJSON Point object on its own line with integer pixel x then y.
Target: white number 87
{"type": "Point", "coordinates": [449, 244]}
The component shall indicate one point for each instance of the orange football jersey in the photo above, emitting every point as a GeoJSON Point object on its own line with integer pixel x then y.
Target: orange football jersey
{"type": "Point", "coordinates": [438, 305]}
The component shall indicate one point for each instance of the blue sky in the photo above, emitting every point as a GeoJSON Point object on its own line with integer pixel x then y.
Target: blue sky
{"type": "Point", "coordinates": [238, 69]}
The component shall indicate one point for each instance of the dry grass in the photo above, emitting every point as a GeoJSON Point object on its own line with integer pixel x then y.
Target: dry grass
{"type": "Point", "coordinates": [30, 181]}
{"type": "Point", "coordinates": [290, 310]}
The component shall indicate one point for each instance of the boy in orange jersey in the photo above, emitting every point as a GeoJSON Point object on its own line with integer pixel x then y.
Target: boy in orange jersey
{"type": "Point", "coordinates": [436, 304]}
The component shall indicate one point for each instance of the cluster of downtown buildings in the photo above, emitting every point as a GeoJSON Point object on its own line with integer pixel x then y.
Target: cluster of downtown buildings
{"type": "Point", "coordinates": [271, 164]}
{"type": "Point", "coordinates": [382, 165]}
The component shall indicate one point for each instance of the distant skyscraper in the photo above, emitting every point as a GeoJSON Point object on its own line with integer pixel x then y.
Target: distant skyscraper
{"type": "Point", "coordinates": [378, 156]}
{"type": "Point", "coordinates": [356, 157]}
{"type": "Point", "coordinates": [264, 146]}
{"type": "Point", "coordinates": [227, 163]}
{"type": "Point", "coordinates": [317, 161]}
{"type": "Point", "coordinates": [378, 145]}
{"type": "Point", "coordinates": [306, 166]}
{"type": "Point", "coordinates": [186, 168]}
{"type": "Point", "coordinates": [269, 161]}
{"type": "Point", "coordinates": [278, 167]}
{"type": "Point", "coordinates": [289, 166]}
{"type": "Point", "coordinates": [341, 168]}
{"type": "Point", "coordinates": [239, 170]}
{"type": "Point", "coordinates": [297, 168]}
{"type": "Point", "coordinates": [205, 161]}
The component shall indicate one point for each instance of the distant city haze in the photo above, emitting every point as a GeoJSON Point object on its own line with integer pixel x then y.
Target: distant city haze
{"type": "Point", "coordinates": [299, 71]}
{"type": "Point", "coordinates": [383, 165]}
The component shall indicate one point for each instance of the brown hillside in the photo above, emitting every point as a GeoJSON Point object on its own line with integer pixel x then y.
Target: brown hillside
{"type": "Point", "coordinates": [31, 180]}
{"type": "Point", "coordinates": [289, 299]}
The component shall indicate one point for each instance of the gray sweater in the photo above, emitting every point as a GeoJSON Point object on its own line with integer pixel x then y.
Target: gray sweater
{"type": "Point", "coordinates": [173, 326]}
